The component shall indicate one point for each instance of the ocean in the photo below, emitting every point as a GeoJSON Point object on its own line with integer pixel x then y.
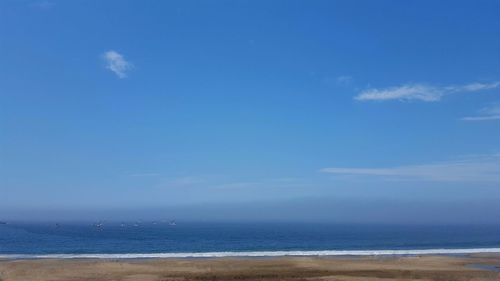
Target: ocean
{"type": "Point", "coordinates": [190, 239]}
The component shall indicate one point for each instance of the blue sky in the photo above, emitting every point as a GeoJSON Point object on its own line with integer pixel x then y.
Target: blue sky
{"type": "Point", "coordinates": [242, 105]}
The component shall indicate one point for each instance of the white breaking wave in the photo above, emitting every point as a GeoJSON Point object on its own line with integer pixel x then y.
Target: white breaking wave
{"type": "Point", "coordinates": [258, 254]}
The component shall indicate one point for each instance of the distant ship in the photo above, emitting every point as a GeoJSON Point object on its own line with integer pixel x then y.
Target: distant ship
{"type": "Point", "coordinates": [3, 222]}
{"type": "Point", "coordinates": [98, 225]}
{"type": "Point", "coordinates": [172, 223]}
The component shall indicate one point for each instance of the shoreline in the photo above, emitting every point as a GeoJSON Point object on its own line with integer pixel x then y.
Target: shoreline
{"type": "Point", "coordinates": [258, 254]}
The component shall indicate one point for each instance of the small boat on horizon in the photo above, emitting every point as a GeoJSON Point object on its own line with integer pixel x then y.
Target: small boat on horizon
{"type": "Point", "coordinates": [98, 225]}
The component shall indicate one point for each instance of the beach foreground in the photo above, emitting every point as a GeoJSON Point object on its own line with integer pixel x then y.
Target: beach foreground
{"type": "Point", "coordinates": [286, 268]}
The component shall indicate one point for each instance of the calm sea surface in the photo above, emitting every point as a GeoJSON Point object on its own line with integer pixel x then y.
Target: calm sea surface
{"type": "Point", "coordinates": [161, 237]}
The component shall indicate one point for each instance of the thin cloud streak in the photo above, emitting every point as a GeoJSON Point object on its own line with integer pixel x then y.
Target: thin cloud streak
{"type": "Point", "coordinates": [44, 5]}
{"type": "Point", "coordinates": [421, 92]}
{"type": "Point", "coordinates": [144, 175]}
{"type": "Point", "coordinates": [468, 169]}
{"type": "Point", "coordinates": [344, 80]}
{"type": "Point", "coordinates": [228, 183]}
{"type": "Point", "coordinates": [482, 118]}
{"type": "Point", "coordinates": [116, 63]}
{"type": "Point", "coordinates": [486, 114]}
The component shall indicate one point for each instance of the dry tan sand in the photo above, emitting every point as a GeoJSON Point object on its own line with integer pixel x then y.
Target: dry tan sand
{"type": "Point", "coordinates": [422, 268]}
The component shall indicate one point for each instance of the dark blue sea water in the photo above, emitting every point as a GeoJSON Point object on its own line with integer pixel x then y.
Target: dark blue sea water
{"type": "Point", "coordinates": [151, 238]}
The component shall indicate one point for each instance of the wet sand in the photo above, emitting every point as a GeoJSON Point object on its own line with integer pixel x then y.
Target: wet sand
{"type": "Point", "coordinates": [421, 268]}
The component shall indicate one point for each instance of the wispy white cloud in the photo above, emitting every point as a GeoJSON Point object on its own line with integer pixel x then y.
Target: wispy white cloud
{"type": "Point", "coordinates": [44, 5]}
{"type": "Point", "coordinates": [183, 182]}
{"type": "Point", "coordinates": [144, 175]}
{"type": "Point", "coordinates": [485, 114]}
{"type": "Point", "coordinates": [187, 181]}
{"type": "Point", "coordinates": [264, 184]}
{"type": "Point", "coordinates": [218, 182]}
{"type": "Point", "coordinates": [344, 80]}
{"type": "Point", "coordinates": [116, 62]}
{"type": "Point", "coordinates": [482, 168]}
{"type": "Point", "coordinates": [422, 92]}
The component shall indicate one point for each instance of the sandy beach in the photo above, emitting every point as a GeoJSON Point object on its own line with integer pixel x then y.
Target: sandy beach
{"type": "Point", "coordinates": [287, 268]}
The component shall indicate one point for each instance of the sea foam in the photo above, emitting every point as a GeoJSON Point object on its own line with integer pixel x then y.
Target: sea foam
{"type": "Point", "coordinates": [258, 254]}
